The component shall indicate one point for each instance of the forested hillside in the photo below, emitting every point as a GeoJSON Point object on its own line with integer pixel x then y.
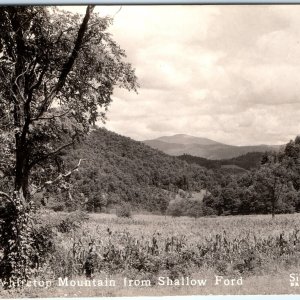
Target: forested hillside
{"type": "Point", "coordinates": [116, 169]}
{"type": "Point", "coordinates": [273, 187]}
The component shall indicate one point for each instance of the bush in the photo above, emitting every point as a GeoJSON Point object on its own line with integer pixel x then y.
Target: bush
{"type": "Point", "coordinates": [58, 207]}
{"type": "Point", "coordinates": [124, 210]}
{"type": "Point", "coordinates": [72, 221]}
{"type": "Point", "coordinates": [43, 244]}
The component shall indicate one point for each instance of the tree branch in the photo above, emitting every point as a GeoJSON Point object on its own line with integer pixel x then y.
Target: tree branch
{"type": "Point", "coordinates": [52, 117]}
{"type": "Point", "coordinates": [78, 43]}
{"type": "Point", "coordinates": [67, 67]}
{"type": "Point", "coordinates": [39, 80]}
{"type": "Point", "coordinates": [58, 178]}
{"type": "Point", "coordinates": [38, 160]}
{"type": "Point", "coordinates": [4, 195]}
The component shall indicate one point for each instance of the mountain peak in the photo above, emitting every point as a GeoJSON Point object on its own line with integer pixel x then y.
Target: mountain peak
{"type": "Point", "coordinates": [184, 139]}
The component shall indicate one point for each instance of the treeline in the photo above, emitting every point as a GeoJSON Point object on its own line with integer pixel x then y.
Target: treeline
{"type": "Point", "coordinates": [273, 188]}
{"type": "Point", "coordinates": [117, 170]}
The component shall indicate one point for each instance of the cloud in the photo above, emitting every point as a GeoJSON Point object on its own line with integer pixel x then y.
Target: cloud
{"type": "Point", "coordinates": [228, 73]}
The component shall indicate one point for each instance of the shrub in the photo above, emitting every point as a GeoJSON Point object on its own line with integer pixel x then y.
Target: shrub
{"type": "Point", "coordinates": [43, 244]}
{"type": "Point", "coordinates": [72, 221]}
{"type": "Point", "coordinates": [124, 210]}
{"type": "Point", "coordinates": [58, 207]}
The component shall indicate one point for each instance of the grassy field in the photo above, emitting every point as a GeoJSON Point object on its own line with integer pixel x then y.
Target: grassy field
{"type": "Point", "coordinates": [258, 250]}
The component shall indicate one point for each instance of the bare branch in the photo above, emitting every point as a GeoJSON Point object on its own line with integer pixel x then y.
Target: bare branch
{"type": "Point", "coordinates": [39, 81]}
{"type": "Point", "coordinates": [4, 195]}
{"type": "Point", "coordinates": [117, 12]}
{"type": "Point", "coordinates": [52, 117]}
{"type": "Point", "coordinates": [58, 178]}
{"type": "Point", "coordinates": [17, 84]}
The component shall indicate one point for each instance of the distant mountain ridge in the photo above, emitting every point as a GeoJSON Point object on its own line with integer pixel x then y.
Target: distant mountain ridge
{"type": "Point", "coordinates": [185, 139]}
{"type": "Point", "coordinates": [180, 144]}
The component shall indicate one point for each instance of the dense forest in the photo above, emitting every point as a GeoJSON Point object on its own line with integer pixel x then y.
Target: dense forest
{"type": "Point", "coordinates": [273, 187]}
{"type": "Point", "coordinates": [117, 170]}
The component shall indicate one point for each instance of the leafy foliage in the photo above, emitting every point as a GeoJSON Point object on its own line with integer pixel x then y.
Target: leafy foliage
{"type": "Point", "coordinates": [58, 72]}
{"type": "Point", "coordinates": [271, 188]}
{"type": "Point", "coordinates": [117, 169]}
{"type": "Point", "coordinates": [123, 210]}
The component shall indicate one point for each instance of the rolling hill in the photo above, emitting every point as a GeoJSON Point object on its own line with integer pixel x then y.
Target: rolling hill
{"type": "Point", "coordinates": [117, 169]}
{"type": "Point", "coordinates": [180, 144]}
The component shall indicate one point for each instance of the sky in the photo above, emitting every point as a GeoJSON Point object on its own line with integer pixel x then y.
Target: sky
{"type": "Point", "coordinates": [230, 73]}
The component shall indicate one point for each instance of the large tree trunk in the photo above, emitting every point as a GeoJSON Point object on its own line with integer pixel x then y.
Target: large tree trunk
{"type": "Point", "coordinates": [16, 237]}
{"type": "Point", "coordinates": [16, 264]}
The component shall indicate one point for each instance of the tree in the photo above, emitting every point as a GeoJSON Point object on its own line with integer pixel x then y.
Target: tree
{"type": "Point", "coordinates": [271, 182]}
{"type": "Point", "coordinates": [290, 157]}
{"type": "Point", "coordinates": [193, 208]}
{"type": "Point", "coordinates": [231, 200]}
{"type": "Point", "coordinates": [213, 202]}
{"type": "Point", "coordinates": [57, 76]}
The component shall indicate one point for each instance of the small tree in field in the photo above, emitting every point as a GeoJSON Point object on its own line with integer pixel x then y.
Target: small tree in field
{"type": "Point", "coordinates": [124, 210]}
{"type": "Point", "coordinates": [57, 75]}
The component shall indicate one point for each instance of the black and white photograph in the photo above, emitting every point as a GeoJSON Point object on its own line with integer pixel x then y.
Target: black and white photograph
{"type": "Point", "coordinates": [149, 150]}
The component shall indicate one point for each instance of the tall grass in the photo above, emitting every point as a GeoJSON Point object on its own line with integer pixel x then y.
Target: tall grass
{"type": "Point", "coordinates": [154, 245]}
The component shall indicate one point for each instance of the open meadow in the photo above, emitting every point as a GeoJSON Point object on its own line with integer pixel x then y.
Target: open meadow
{"type": "Point", "coordinates": [155, 251]}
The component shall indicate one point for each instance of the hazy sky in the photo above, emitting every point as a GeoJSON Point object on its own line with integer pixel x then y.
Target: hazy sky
{"type": "Point", "coordinates": [228, 73]}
